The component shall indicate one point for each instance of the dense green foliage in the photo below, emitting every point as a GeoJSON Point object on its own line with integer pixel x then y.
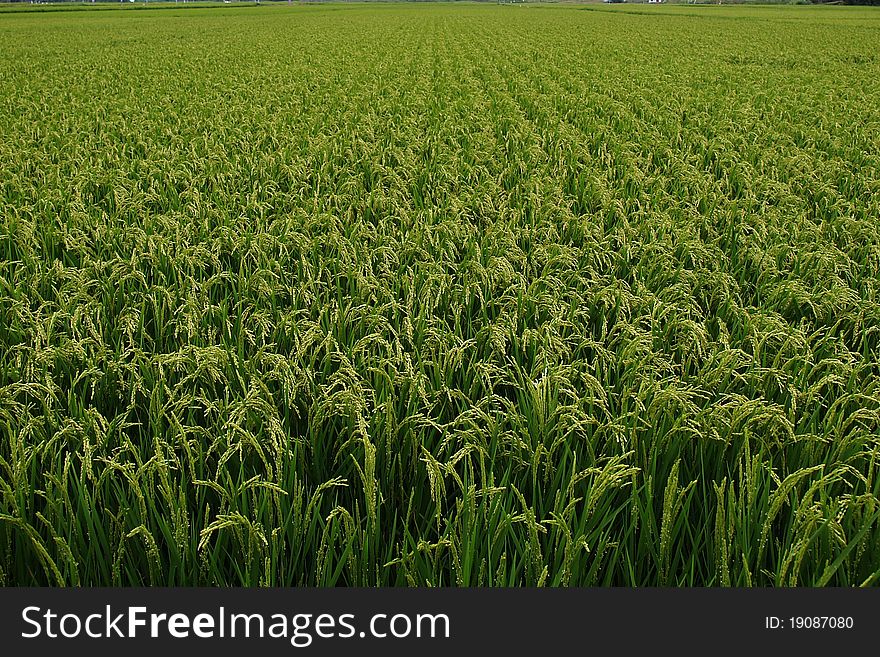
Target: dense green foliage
{"type": "Point", "coordinates": [440, 295]}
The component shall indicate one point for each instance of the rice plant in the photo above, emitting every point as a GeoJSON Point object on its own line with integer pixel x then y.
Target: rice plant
{"type": "Point", "coordinates": [440, 296]}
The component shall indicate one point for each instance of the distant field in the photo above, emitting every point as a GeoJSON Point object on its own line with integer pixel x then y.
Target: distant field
{"type": "Point", "coordinates": [440, 295]}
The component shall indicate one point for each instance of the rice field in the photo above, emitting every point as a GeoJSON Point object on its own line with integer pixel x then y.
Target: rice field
{"type": "Point", "coordinates": [440, 295]}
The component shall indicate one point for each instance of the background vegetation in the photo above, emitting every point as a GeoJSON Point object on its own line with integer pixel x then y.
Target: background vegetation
{"type": "Point", "coordinates": [440, 296]}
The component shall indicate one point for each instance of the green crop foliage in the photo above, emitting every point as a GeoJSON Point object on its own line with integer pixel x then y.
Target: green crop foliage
{"type": "Point", "coordinates": [440, 295]}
